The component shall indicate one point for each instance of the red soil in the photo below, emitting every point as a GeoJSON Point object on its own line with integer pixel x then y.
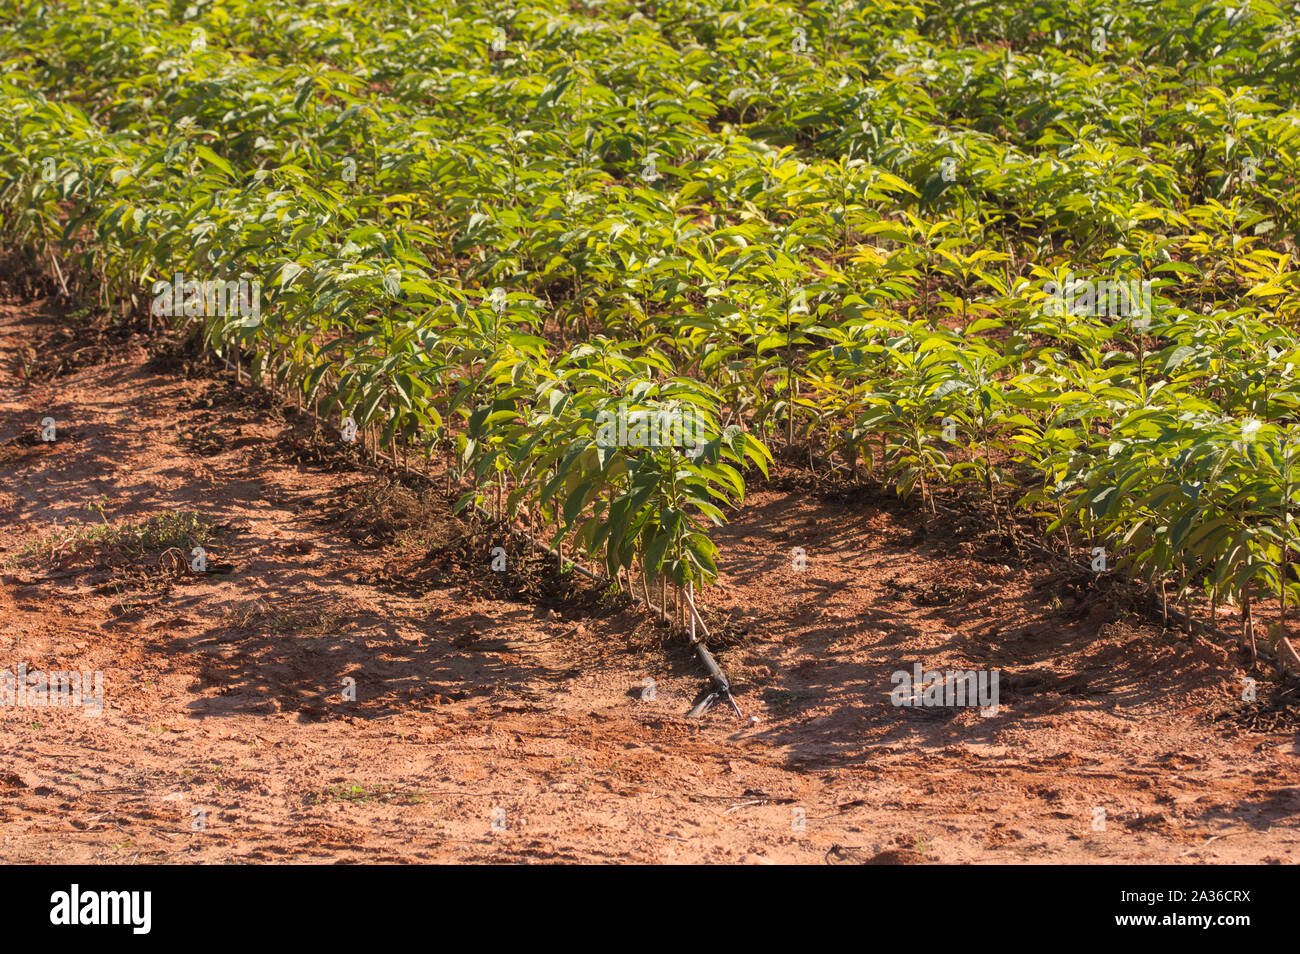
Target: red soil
{"type": "Point", "coordinates": [223, 691]}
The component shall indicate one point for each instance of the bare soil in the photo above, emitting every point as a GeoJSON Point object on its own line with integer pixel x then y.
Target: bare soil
{"type": "Point", "coordinates": [505, 717]}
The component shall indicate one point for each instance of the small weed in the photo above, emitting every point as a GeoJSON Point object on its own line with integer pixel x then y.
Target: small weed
{"type": "Point", "coordinates": [787, 696]}
{"type": "Point", "coordinates": [358, 794]}
{"type": "Point", "coordinates": [120, 542]}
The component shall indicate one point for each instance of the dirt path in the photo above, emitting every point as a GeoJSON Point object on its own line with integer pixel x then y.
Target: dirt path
{"type": "Point", "coordinates": [482, 697]}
